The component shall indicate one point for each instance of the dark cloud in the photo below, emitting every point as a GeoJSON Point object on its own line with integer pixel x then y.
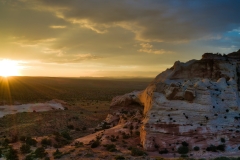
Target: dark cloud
{"type": "Point", "coordinates": [155, 20]}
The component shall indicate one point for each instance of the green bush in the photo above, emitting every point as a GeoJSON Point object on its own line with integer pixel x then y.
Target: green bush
{"type": "Point", "coordinates": [25, 148]}
{"type": "Point", "coordinates": [183, 150]}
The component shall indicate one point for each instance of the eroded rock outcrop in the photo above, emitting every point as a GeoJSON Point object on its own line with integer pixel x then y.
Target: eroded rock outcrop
{"type": "Point", "coordinates": [195, 102]}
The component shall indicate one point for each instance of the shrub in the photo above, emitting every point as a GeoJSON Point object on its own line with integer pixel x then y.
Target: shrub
{"type": "Point", "coordinates": [222, 158]}
{"type": "Point", "coordinates": [184, 156]}
{"type": "Point", "coordinates": [40, 152]}
{"type": "Point", "coordinates": [137, 152]}
{"type": "Point", "coordinates": [25, 148]}
{"type": "Point", "coordinates": [95, 144]}
{"type": "Point", "coordinates": [222, 140]}
{"type": "Point", "coordinates": [14, 138]}
{"type": "Point", "coordinates": [30, 141]}
{"type": "Point", "coordinates": [184, 143]}
{"type": "Point", "coordinates": [78, 144]}
{"type": "Point", "coordinates": [46, 142]}
{"type": "Point", "coordinates": [119, 157]}
{"type": "Point", "coordinates": [165, 151]}
{"type": "Point", "coordinates": [57, 154]}
{"type": "Point", "coordinates": [23, 138]}
{"type": "Point", "coordinates": [221, 147]}
{"type": "Point", "coordinates": [196, 148]}
{"type": "Point", "coordinates": [105, 125]}
{"type": "Point", "coordinates": [70, 127]}
{"type": "Point", "coordinates": [183, 150]}
{"type": "Point", "coordinates": [29, 157]}
{"type": "Point", "coordinates": [125, 136]}
{"type": "Point", "coordinates": [89, 155]}
{"type": "Point", "coordinates": [137, 133]}
{"type": "Point", "coordinates": [66, 135]}
{"type": "Point", "coordinates": [110, 147]}
{"type": "Point", "coordinates": [156, 146]}
{"type": "Point", "coordinates": [113, 138]}
{"type": "Point", "coordinates": [215, 148]}
{"type": "Point", "coordinates": [212, 148]}
{"type": "Point", "coordinates": [5, 142]}
{"type": "Point", "coordinates": [11, 154]}
{"type": "Point", "coordinates": [61, 141]}
{"type": "Point", "coordinates": [130, 148]}
{"type": "Point", "coordinates": [131, 127]}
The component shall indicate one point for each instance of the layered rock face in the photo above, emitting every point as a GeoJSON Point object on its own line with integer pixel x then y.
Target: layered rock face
{"type": "Point", "coordinates": [197, 102]}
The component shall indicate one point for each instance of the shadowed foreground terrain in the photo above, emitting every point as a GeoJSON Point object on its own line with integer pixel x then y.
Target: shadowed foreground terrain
{"type": "Point", "coordinates": [86, 103]}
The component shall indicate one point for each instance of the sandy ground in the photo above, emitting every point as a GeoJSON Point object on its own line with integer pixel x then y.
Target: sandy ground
{"type": "Point", "coordinates": [36, 107]}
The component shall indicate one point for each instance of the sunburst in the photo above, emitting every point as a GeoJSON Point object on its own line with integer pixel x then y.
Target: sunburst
{"type": "Point", "coordinates": [9, 68]}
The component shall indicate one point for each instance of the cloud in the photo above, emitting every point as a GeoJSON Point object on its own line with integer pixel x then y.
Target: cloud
{"type": "Point", "coordinates": [58, 27]}
{"type": "Point", "coordinates": [172, 21]}
{"type": "Point", "coordinates": [148, 48]}
{"type": "Point", "coordinates": [72, 59]}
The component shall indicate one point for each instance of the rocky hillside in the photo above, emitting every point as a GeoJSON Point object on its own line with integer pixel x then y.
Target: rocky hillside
{"type": "Point", "coordinates": [191, 106]}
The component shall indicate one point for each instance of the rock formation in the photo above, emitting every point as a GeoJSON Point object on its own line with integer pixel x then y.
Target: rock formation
{"type": "Point", "coordinates": [196, 103]}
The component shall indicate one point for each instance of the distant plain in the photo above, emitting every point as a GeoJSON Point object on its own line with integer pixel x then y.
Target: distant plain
{"type": "Point", "coordinates": [87, 102]}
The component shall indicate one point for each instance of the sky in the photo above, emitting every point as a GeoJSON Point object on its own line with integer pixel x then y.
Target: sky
{"type": "Point", "coordinates": [113, 38]}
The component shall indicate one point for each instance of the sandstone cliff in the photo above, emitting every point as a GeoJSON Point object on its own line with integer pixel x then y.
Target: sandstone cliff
{"type": "Point", "coordinates": [195, 103]}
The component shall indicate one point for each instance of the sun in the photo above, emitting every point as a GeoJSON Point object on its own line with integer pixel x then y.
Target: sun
{"type": "Point", "coordinates": [9, 68]}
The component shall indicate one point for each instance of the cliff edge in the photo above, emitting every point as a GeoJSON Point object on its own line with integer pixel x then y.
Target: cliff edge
{"type": "Point", "coordinates": [195, 105]}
